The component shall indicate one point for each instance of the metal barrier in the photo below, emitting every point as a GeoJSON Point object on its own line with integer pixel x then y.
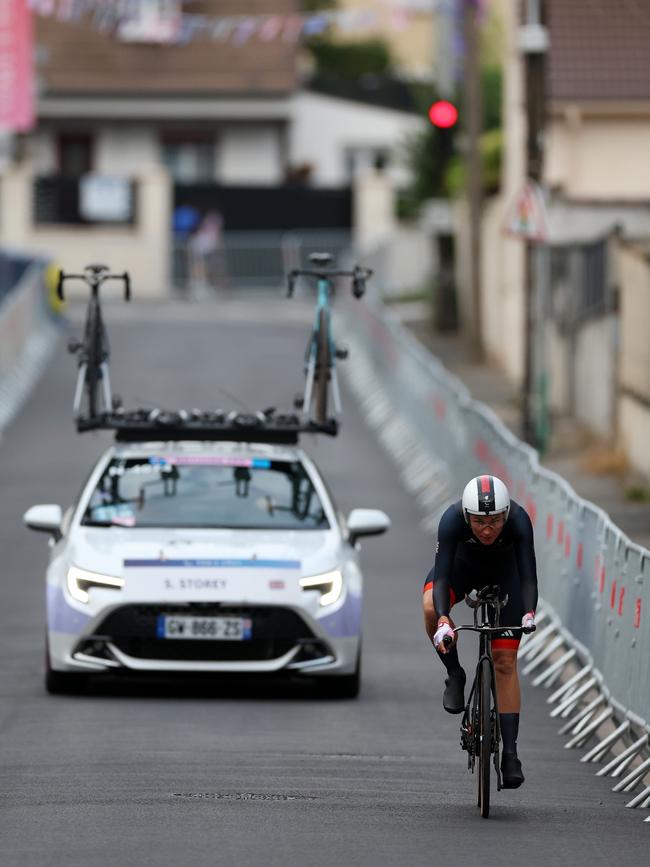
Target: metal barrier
{"type": "Point", "coordinates": [594, 582]}
{"type": "Point", "coordinates": [246, 260]}
{"type": "Point", "coordinates": [27, 335]}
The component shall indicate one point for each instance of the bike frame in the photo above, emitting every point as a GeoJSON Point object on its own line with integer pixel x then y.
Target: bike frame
{"type": "Point", "coordinates": [486, 623]}
{"type": "Point", "coordinates": [322, 303]}
{"type": "Point", "coordinates": [93, 315]}
{"type": "Point", "coordinates": [93, 352]}
{"type": "Point", "coordinates": [486, 606]}
{"type": "Point", "coordinates": [324, 277]}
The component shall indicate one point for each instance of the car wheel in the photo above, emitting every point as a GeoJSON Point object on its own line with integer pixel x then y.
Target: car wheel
{"type": "Point", "coordinates": [342, 685]}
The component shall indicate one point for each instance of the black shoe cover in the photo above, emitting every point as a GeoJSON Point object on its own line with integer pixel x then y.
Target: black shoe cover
{"type": "Point", "coordinates": [511, 774]}
{"type": "Point", "coordinates": [453, 699]}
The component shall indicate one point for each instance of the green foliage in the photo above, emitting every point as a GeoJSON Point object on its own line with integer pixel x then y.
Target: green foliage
{"type": "Point", "coordinates": [432, 155]}
{"type": "Point", "coordinates": [491, 147]}
{"type": "Point", "coordinates": [350, 60]}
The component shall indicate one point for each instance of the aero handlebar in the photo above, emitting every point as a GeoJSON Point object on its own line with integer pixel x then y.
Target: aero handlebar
{"type": "Point", "coordinates": [359, 276]}
{"type": "Point", "coordinates": [94, 276]}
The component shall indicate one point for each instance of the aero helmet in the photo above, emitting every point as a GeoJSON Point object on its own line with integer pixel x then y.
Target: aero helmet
{"type": "Point", "coordinates": [485, 495]}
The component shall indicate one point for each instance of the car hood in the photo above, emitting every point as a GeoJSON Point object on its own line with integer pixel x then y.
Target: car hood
{"type": "Point", "coordinates": [108, 549]}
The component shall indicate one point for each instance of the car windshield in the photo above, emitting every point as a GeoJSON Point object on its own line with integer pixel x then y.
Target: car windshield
{"type": "Point", "coordinates": [242, 493]}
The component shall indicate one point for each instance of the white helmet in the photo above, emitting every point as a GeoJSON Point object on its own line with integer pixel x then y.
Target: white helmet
{"type": "Point", "coordinates": [485, 495]}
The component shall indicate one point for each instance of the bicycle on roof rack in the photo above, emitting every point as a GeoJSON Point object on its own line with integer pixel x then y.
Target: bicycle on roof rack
{"type": "Point", "coordinates": [140, 425]}
{"type": "Point", "coordinates": [480, 734]}
{"type": "Point", "coordinates": [321, 353]}
{"type": "Point", "coordinates": [93, 351]}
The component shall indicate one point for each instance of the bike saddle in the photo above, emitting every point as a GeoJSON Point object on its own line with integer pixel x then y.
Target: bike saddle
{"type": "Point", "coordinates": [321, 260]}
{"type": "Point", "coordinates": [97, 269]}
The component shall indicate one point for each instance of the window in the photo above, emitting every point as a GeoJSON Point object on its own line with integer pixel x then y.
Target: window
{"type": "Point", "coordinates": [205, 492]}
{"type": "Point", "coordinates": [75, 154]}
{"type": "Point", "coordinates": [189, 160]}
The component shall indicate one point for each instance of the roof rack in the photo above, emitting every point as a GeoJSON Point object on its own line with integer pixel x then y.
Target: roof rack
{"type": "Point", "coordinates": [144, 425]}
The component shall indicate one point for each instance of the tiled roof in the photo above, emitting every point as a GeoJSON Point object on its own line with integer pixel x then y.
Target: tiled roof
{"type": "Point", "coordinates": [600, 49]}
{"type": "Point", "coordinates": [75, 58]}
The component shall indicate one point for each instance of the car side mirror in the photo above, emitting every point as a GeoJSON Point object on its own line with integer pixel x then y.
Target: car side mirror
{"type": "Point", "coordinates": [366, 522]}
{"type": "Point", "coordinates": [44, 519]}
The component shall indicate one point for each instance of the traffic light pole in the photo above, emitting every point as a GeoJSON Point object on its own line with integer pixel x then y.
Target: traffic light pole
{"type": "Point", "coordinates": [474, 122]}
{"type": "Point", "coordinates": [534, 44]}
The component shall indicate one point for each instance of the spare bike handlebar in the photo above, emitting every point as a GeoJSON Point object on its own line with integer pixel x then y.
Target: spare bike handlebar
{"type": "Point", "coordinates": [94, 276]}
{"type": "Point", "coordinates": [359, 276]}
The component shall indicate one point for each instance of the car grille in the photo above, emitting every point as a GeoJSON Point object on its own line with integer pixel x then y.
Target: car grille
{"type": "Point", "coordinates": [132, 629]}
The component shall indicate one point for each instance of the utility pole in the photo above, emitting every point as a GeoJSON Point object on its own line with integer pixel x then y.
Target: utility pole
{"type": "Point", "coordinates": [473, 108]}
{"type": "Point", "coordinates": [533, 42]}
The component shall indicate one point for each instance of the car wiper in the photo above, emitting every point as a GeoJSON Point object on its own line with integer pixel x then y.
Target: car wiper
{"type": "Point", "coordinates": [91, 523]}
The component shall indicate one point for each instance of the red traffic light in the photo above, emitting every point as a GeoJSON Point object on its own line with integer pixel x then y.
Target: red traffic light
{"type": "Point", "coordinates": [443, 114]}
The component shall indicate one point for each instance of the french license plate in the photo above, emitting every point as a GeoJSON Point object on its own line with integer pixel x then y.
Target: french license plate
{"type": "Point", "coordinates": [204, 628]}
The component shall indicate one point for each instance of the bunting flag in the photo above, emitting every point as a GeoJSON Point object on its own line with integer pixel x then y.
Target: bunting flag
{"type": "Point", "coordinates": [166, 22]}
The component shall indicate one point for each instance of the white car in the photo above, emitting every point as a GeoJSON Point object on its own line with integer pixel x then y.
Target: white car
{"type": "Point", "coordinates": [204, 557]}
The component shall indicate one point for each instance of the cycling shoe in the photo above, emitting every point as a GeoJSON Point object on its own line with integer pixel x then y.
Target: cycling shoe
{"type": "Point", "coordinates": [453, 699]}
{"type": "Point", "coordinates": [512, 775]}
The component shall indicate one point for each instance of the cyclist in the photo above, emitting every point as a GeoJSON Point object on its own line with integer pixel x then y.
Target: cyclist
{"type": "Point", "coordinates": [484, 539]}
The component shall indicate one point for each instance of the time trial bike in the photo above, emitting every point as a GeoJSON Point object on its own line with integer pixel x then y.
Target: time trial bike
{"type": "Point", "coordinates": [480, 733]}
{"type": "Point", "coordinates": [93, 351]}
{"type": "Point", "coordinates": [321, 353]}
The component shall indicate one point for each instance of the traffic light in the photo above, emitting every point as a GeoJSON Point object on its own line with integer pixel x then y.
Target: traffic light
{"type": "Point", "coordinates": [443, 114]}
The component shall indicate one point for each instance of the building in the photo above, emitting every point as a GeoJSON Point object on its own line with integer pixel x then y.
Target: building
{"type": "Point", "coordinates": [132, 121]}
{"type": "Point", "coordinates": [591, 301]}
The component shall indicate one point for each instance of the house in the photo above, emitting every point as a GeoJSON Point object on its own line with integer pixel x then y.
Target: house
{"type": "Point", "coordinates": [588, 303]}
{"type": "Point", "coordinates": [134, 123]}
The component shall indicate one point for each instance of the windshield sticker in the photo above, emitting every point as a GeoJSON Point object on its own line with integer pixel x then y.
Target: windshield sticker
{"type": "Point", "coordinates": [212, 461]}
{"type": "Point", "coordinates": [121, 514]}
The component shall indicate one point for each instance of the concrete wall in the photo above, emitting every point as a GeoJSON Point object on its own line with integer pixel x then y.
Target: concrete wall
{"type": "Point", "coordinates": [250, 154]}
{"type": "Point", "coordinates": [324, 129]}
{"type": "Point", "coordinates": [634, 372]}
{"type": "Point", "coordinates": [595, 374]}
{"type": "Point", "coordinates": [634, 271]}
{"type": "Point", "coordinates": [141, 249]}
{"type": "Point", "coordinates": [599, 156]}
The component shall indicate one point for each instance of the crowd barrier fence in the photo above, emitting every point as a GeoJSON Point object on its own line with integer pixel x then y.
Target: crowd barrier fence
{"type": "Point", "coordinates": [592, 576]}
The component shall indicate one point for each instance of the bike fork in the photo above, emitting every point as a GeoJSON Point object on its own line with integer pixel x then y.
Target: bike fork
{"type": "Point", "coordinates": [309, 384]}
{"type": "Point", "coordinates": [336, 394]}
{"type": "Point", "coordinates": [106, 387]}
{"type": "Point", "coordinates": [79, 389]}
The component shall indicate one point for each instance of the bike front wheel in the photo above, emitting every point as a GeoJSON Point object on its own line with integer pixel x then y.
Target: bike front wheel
{"type": "Point", "coordinates": [322, 367]}
{"type": "Point", "coordinates": [485, 737]}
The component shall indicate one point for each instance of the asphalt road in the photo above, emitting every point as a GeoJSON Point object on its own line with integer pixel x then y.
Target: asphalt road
{"type": "Point", "coordinates": [258, 775]}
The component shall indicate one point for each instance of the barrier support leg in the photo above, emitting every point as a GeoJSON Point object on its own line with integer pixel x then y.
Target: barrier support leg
{"type": "Point", "coordinates": [589, 730]}
{"type": "Point", "coordinates": [548, 673]}
{"type": "Point", "coordinates": [642, 800]}
{"type": "Point", "coordinates": [582, 715]}
{"type": "Point", "coordinates": [564, 707]}
{"type": "Point", "coordinates": [623, 759]}
{"type": "Point", "coordinates": [603, 747]}
{"type": "Point", "coordinates": [544, 655]}
{"type": "Point", "coordinates": [633, 778]}
{"type": "Point", "coordinates": [571, 682]}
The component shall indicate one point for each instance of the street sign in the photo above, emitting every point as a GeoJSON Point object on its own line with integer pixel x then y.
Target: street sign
{"type": "Point", "coordinates": [527, 218]}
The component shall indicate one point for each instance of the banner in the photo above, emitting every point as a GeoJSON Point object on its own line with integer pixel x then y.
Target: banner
{"type": "Point", "coordinates": [16, 70]}
{"type": "Point", "coordinates": [166, 22]}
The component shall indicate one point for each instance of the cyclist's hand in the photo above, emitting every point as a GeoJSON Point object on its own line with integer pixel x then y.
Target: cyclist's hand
{"type": "Point", "coordinates": [528, 622]}
{"type": "Point", "coordinates": [443, 631]}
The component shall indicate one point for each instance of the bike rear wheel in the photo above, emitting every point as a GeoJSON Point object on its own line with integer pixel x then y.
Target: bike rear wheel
{"type": "Point", "coordinates": [322, 368]}
{"type": "Point", "coordinates": [485, 737]}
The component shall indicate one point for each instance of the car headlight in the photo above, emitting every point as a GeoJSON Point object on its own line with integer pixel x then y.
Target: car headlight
{"type": "Point", "coordinates": [80, 580]}
{"type": "Point", "coordinates": [329, 584]}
